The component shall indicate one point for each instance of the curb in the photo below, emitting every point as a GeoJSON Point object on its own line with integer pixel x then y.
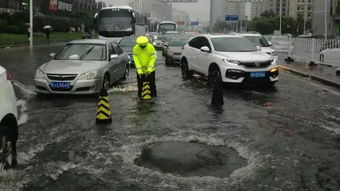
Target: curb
{"type": "Point", "coordinates": [311, 76]}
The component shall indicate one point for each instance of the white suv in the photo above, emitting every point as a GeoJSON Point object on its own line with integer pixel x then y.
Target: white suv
{"type": "Point", "coordinates": [8, 121]}
{"type": "Point", "coordinates": [258, 40]}
{"type": "Point", "coordinates": [228, 58]}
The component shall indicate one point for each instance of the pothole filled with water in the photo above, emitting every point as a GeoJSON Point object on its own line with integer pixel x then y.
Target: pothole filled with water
{"type": "Point", "coordinates": [190, 159]}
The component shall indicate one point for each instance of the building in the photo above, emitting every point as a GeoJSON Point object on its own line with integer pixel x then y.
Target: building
{"type": "Point", "coordinates": [181, 18]}
{"type": "Point", "coordinates": [332, 16]}
{"type": "Point", "coordinates": [301, 8]}
{"type": "Point", "coordinates": [154, 9]}
{"type": "Point", "coordinates": [274, 6]}
{"type": "Point", "coordinates": [53, 7]}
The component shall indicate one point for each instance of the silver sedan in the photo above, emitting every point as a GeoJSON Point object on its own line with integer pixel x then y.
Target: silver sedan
{"type": "Point", "coordinates": [82, 67]}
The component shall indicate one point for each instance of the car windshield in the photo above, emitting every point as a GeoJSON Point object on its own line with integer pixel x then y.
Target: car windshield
{"type": "Point", "coordinates": [233, 44]}
{"type": "Point", "coordinates": [110, 20]}
{"type": "Point", "coordinates": [178, 42]}
{"type": "Point", "coordinates": [258, 41]}
{"type": "Point", "coordinates": [82, 52]}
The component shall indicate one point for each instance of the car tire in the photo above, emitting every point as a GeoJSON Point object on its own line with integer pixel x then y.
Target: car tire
{"type": "Point", "coordinates": [186, 73]}
{"type": "Point", "coordinates": [8, 142]}
{"type": "Point", "coordinates": [106, 82]}
{"type": "Point", "coordinates": [126, 73]}
{"type": "Point", "coordinates": [214, 76]}
{"type": "Point", "coordinates": [167, 60]}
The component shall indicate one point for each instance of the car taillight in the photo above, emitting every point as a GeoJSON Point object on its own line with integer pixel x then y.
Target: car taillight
{"type": "Point", "coordinates": [8, 75]}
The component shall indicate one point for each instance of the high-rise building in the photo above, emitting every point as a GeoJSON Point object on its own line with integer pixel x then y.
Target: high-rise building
{"type": "Point", "coordinates": [155, 9]}
{"type": "Point", "coordinates": [274, 6]}
{"type": "Point", "coordinates": [332, 16]}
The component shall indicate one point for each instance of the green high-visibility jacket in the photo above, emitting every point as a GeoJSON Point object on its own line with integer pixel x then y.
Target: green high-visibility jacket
{"type": "Point", "coordinates": [144, 58]}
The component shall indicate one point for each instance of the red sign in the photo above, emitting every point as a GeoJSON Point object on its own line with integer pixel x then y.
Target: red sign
{"type": "Point", "coordinates": [53, 5]}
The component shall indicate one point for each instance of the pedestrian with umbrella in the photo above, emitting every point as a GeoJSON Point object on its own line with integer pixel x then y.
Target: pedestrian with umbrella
{"type": "Point", "coordinates": [47, 29]}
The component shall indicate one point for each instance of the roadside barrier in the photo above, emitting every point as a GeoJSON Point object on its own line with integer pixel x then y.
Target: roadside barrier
{"type": "Point", "coordinates": [103, 110]}
{"type": "Point", "coordinates": [314, 51]}
{"type": "Point", "coordinates": [146, 91]}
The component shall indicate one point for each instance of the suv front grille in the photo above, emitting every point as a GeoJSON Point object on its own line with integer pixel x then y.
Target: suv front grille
{"type": "Point", "coordinates": [62, 77]}
{"type": "Point", "coordinates": [256, 64]}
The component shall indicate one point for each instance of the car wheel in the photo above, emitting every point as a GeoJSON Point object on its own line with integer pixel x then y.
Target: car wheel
{"type": "Point", "coordinates": [106, 82]}
{"type": "Point", "coordinates": [186, 73]}
{"type": "Point", "coordinates": [214, 76]}
{"type": "Point", "coordinates": [126, 73]}
{"type": "Point", "coordinates": [166, 60]}
{"type": "Point", "coordinates": [8, 139]}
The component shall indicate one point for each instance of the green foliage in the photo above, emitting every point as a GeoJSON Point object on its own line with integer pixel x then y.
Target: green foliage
{"type": "Point", "coordinates": [268, 22]}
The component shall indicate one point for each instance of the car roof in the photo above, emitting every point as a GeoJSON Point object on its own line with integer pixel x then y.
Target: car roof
{"type": "Point", "coordinates": [219, 35]}
{"type": "Point", "coordinates": [92, 41]}
{"type": "Point", "coordinates": [249, 34]}
{"type": "Point", "coordinates": [2, 70]}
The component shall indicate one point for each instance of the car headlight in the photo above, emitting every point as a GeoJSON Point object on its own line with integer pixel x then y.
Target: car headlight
{"type": "Point", "coordinates": [231, 61]}
{"type": "Point", "coordinates": [89, 75]}
{"type": "Point", "coordinates": [154, 43]}
{"type": "Point", "coordinates": [39, 74]}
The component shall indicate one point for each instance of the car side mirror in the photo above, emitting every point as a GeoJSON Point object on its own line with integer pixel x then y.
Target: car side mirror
{"type": "Point", "coordinates": [205, 49]}
{"type": "Point", "coordinates": [113, 56]}
{"type": "Point", "coordinates": [270, 43]}
{"type": "Point", "coordinates": [52, 55]}
{"type": "Point", "coordinates": [258, 48]}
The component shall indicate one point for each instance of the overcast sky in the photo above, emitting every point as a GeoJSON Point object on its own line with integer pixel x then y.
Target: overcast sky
{"type": "Point", "coordinates": [196, 11]}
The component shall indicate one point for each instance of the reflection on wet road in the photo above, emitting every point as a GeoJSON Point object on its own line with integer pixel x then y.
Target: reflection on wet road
{"type": "Point", "coordinates": [289, 137]}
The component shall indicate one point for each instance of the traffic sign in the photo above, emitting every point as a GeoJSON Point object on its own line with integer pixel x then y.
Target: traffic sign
{"type": "Point", "coordinates": [231, 17]}
{"type": "Point", "coordinates": [194, 23]}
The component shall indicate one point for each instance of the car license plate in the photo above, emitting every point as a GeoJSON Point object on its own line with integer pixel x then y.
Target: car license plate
{"type": "Point", "coordinates": [258, 74]}
{"type": "Point", "coordinates": [60, 85]}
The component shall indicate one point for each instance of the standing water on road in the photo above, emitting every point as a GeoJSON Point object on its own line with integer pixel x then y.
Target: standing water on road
{"type": "Point", "coordinates": [286, 138]}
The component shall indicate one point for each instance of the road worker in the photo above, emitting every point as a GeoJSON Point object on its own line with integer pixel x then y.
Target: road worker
{"type": "Point", "coordinates": [144, 56]}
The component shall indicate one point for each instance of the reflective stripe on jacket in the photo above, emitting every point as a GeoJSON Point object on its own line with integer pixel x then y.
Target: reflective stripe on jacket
{"type": "Point", "coordinates": [144, 58]}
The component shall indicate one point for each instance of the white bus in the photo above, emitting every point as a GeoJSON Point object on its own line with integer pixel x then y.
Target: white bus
{"type": "Point", "coordinates": [120, 21]}
{"type": "Point", "coordinates": [165, 26]}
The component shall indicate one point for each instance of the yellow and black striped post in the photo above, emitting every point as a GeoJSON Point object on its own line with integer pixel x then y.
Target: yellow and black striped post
{"type": "Point", "coordinates": [146, 91]}
{"type": "Point", "coordinates": [103, 111]}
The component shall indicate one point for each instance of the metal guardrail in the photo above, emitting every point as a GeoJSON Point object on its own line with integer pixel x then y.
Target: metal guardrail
{"type": "Point", "coordinates": [309, 50]}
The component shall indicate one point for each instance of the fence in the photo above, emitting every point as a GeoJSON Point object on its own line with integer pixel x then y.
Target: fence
{"type": "Point", "coordinates": [309, 50]}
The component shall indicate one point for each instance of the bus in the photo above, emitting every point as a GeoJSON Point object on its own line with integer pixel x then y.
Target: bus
{"type": "Point", "coordinates": [120, 21]}
{"type": "Point", "coordinates": [165, 26]}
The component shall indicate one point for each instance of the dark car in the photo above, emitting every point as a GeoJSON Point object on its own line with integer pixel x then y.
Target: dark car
{"type": "Point", "coordinates": [127, 44]}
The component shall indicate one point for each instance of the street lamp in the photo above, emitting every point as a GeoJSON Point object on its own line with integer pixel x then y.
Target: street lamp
{"type": "Point", "coordinates": [31, 23]}
{"type": "Point", "coordinates": [280, 17]}
{"type": "Point", "coordinates": [326, 24]}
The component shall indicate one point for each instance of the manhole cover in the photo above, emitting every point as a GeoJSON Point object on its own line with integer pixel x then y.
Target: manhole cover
{"type": "Point", "coordinates": [190, 159]}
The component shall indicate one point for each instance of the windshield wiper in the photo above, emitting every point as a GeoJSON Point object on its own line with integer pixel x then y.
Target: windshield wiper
{"type": "Point", "coordinates": [86, 53]}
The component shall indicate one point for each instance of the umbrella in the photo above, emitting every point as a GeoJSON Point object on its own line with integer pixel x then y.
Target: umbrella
{"type": "Point", "coordinates": [47, 27]}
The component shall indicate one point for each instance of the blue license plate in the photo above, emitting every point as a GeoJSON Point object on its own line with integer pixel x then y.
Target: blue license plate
{"type": "Point", "coordinates": [60, 85]}
{"type": "Point", "coordinates": [258, 74]}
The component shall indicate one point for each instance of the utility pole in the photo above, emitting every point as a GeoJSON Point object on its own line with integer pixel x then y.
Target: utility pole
{"type": "Point", "coordinates": [280, 17]}
{"type": "Point", "coordinates": [305, 17]}
{"type": "Point", "coordinates": [31, 23]}
{"type": "Point", "coordinates": [211, 16]}
{"type": "Point", "coordinates": [326, 24]}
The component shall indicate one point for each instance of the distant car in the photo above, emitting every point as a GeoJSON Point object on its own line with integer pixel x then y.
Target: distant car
{"type": "Point", "coordinates": [127, 44]}
{"type": "Point", "coordinates": [331, 56]}
{"type": "Point", "coordinates": [259, 41]}
{"type": "Point", "coordinates": [82, 67]}
{"type": "Point", "coordinates": [228, 58]}
{"type": "Point", "coordinates": [173, 50]}
{"type": "Point", "coordinates": [158, 44]}
{"type": "Point", "coordinates": [8, 121]}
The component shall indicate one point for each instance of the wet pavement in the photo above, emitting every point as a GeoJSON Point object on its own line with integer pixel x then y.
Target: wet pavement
{"type": "Point", "coordinates": [288, 138]}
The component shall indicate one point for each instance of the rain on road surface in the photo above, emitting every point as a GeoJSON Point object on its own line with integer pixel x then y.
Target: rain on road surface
{"type": "Point", "coordinates": [288, 138]}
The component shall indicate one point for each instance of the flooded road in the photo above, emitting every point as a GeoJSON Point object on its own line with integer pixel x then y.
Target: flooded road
{"type": "Point", "coordinates": [287, 138]}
